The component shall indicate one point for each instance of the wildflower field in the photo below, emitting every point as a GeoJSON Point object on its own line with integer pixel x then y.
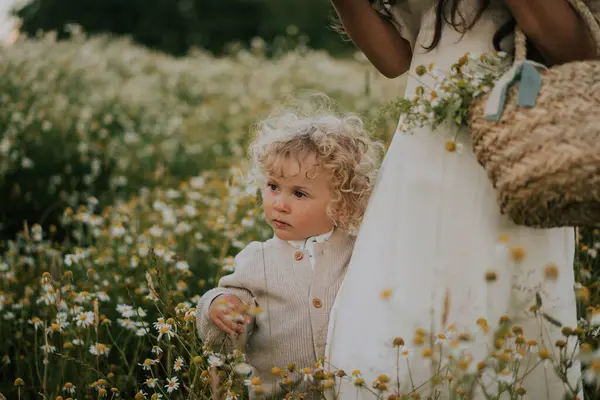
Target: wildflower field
{"type": "Point", "coordinates": [123, 199]}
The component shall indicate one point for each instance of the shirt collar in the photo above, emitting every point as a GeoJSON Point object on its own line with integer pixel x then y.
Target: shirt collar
{"type": "Point", "coordinates": [300, 244]}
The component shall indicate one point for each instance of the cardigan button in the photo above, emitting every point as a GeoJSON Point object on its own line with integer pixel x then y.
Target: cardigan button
{"type": "Point", "coordinates": [299, 256]}
{"type": "Point", "coordinates": [317, 302]}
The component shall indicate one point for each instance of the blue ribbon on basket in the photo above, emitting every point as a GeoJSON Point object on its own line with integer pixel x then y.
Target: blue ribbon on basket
{"type": "Point", "coordinates": [527, 74]}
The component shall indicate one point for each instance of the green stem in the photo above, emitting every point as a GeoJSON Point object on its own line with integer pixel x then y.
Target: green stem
{"type": "Point", "coordinates": [130, 373]}
{"type": "Point", "coordinates": [35, 356]}
{"type": "Point", "coordinates": [62, 361]}
{"type": "Point", "coordinates": [412, 383]}
{"type": "Point", "coordinates": [398, 368]}
{"type": "Point", "coordinates": [123, 357]}
{"type": "Point", "coordinates": [169, 361]}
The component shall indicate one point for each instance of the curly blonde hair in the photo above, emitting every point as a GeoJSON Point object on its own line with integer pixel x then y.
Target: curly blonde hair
{"type": "Point", "coordinates": [341, 145]}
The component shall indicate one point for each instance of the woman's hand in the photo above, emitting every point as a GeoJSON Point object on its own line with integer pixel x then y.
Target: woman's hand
{"type": "Point", "coordinates": [377, 38]}
{"type": "Point", "coordinates": [225, 313]}
{"type": "Point", "coordinates": [556, 28]}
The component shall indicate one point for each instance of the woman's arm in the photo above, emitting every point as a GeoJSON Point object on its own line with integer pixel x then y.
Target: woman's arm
{"type": "Point", "coordinates": [555, 27]}
{"type": "Point", "coordinates": [377, 38]}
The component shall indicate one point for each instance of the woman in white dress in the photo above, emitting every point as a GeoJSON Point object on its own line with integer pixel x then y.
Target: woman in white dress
{"type": "Point", "coordinates": [433, 230]}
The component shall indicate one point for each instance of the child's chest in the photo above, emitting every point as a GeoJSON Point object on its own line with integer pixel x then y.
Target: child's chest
{"type": "Point", "coordinates": [297, 296]}
{"type": "Point", "coordinates": [300, 277]}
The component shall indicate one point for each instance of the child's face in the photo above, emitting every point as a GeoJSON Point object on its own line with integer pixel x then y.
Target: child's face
{"type": "Point", "coordinates": [296, 204]}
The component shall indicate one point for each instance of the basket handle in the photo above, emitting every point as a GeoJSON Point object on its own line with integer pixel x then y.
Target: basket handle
{"type": "Point", "coordinates": [586, 15]}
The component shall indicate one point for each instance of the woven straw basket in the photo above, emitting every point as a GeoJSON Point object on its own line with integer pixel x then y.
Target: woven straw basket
{"type": "Point", "coordinates": [544, 160]}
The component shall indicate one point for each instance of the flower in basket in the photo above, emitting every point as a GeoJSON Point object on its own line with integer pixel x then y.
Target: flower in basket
{"type": "Point", "coordinates": [447, 96]}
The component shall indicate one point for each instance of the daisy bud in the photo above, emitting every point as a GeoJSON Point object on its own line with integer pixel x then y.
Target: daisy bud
{"type": "Point", "coordinates": [517, 254]}
{"type": "Point", "coordinates": [450, 146]}
{"type": "Point", "coordinates": [288, 381]}
{"type": "Point", "coordinates": [386, 294]}
{"type": "Point", "coordinates": [359, 382]}
{"type": "Point", "coordinates": [491, 276]}
{"type": "Point", "coordinates": [551, 272]}
{"type": "Point", "coordinates": [517, 329]}
{"type": "Point", "coordinates": [567, 331]}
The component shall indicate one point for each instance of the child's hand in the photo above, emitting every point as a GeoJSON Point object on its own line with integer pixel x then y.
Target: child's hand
{"type": "Point", "coordinates": [224, 312]}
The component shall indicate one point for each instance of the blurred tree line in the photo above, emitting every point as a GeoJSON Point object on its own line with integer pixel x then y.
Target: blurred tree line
{"type": "Point", "coordinates": [174, 26]}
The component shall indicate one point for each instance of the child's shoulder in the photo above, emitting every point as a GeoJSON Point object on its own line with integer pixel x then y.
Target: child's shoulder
{"type": "Point", "coordinates": [253, 251]}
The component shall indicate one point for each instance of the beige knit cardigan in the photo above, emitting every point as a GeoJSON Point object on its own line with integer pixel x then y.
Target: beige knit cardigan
{"type": "Point", "coordinates": [296, 302]}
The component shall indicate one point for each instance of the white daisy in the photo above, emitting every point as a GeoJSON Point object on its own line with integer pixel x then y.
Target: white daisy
{"type": "Point", "coordinates": [148, 363]}
{"type": "Point", "coordinates": [99, 349]}
{"type": "Point", "coordinates": [36, 322]}
{"type": "Point", "coordinates": [182, 265]}
{"type": "Point", "coordinates": [215, 361]}
{"type": "Point", "coordinates": [142, 332]}
{"type": "Point", "coordinates": [84, 319]}
{"type": "Point", "coordinates": [48, 348]}
{"type": "Point", "coordinates": [166, 330]}
{"type": "Point", "coordinates": [178, 364]}
{"type": "Point", "coordinates": [151, 382]}
{"type": "Point", "coordinates": [102, 296]}
{"type": "Point", "coordinates": [126, 310]}
{"type": "Point", "coordinates": [172, 384]}
{"type": "Point", "coordinates": [69, 388]}
{"type": "Point", "coordinates": [140, 312]}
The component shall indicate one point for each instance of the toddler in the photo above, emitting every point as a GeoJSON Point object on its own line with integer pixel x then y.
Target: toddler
{"type": "Point", "coordinates": [315, 173]}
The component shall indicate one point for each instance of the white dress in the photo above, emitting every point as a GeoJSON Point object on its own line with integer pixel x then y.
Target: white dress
{"type": "Point", "coordinates": [431, 233]}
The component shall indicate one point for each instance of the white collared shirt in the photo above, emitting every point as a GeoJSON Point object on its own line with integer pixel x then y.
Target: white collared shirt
{"type": "Point", "coordinates": [310, 244]}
